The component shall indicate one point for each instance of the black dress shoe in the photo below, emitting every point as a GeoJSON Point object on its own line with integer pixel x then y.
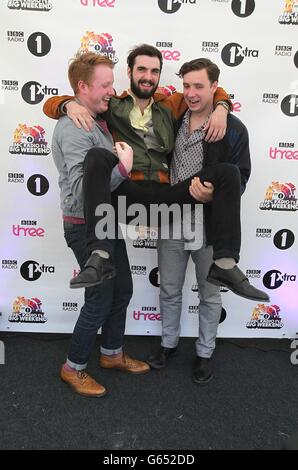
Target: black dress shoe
{"type": "Point", "coordinates": [160, 359]}
{"type": "Point", "coordinates": [96, 270]}
{"type": "Point", "coordinates": [237, 282]}
{"type": "Point", "coordinates": [202, 371]}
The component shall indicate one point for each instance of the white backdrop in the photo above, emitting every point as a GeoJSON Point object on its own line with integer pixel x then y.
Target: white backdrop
{"type": "Point", "coordinates": [255, 44]}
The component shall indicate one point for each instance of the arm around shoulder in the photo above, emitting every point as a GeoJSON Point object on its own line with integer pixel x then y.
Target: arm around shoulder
{"type": "Point", "coordinates": [52, 107]}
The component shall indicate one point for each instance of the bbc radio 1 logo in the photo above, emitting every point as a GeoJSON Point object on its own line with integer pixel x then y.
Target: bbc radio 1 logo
{"type": "Point", "coordinates": [233, 54]}
{"type": "Point", "coordinates": [167, 51]}
{"type": "Point", "coordinates": [285, 151]}
{"type": "Point", "coordinates": [34, 92]}
{"type": "Point", "coordinates": [274, 279]}
{"type": "Point", "coordinates": [283, 239]}
{"type": "Point", "coordinates": [28, 228]}
{"type": "Point", "coordinates": [27, 311]}
{"type": "Point", "coordinates": [289, 105]}
{"type": "Point", "coordinates": [31, 270]}
{"type": "Point", "coordinates": [243, 8]}
{"type": "Point", "coordinates": [29, 140]}
{"type": "Point", "coordinates": [30, 5]}
{"type": "Point", "coordinates": [38, 43]}
{"type": "Point", "coordinates": [101, 44]}
{"type": "Point", "coordinates": [172, 6]}
{"type": "Point", "coordinates": [280, 197]}
{"type": "Point", "coordinates": [289, 15]}
{"type": "Point", "coordinates": [265, 317]}
{"type": "Point", "coordinates": [37, 185]}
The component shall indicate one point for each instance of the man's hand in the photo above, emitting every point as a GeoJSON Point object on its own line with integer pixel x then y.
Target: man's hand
{"type": "Point", "coordinates": [80, 116]}
{"type": "Point", "coordinates": [202, 192]}
{"type": "Point", "coordinates": [125, 155]}
{"type": "Point", "coordinates": [217, 125]}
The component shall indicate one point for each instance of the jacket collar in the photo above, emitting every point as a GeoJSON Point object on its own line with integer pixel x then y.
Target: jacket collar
{"type": "Point", "coordinates": [157, 97]}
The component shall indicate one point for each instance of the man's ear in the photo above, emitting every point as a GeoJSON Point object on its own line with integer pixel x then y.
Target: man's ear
{"type": "Point", "coordinates": [129, 72]}
{"type": "Point", "coordinates": [214, 87]}
{"type": "Point", "coordinates": [82, 86]}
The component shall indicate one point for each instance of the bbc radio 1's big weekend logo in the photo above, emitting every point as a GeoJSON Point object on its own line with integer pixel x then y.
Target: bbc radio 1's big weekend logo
{"type": "Point", "coordinates": [289, 15]}
{"type": "Point", "coordinates": [101, 44]}
{"type": "Point", "coordinates": [27, 311]}
{"type": "Point", "coordinates": [265, 317]}
{"type": "Point", "coordinates": [29, 140]}
{"type": "Point", "coordinates": [280, 197]}
{"type": "Point", "coordinates": [31, 5]}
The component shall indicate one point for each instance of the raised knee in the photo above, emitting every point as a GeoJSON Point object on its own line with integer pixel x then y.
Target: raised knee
{"type": "Point", "coordinates": [98, 157]}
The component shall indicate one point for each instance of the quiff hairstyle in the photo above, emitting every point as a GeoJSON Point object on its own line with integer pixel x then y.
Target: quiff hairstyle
{"type": "Point", "coordinates": [199, 64]}
{"type": "Point", "coordinates": [82, 67]}
{"type": "Point", "coordinates": [143, 49]}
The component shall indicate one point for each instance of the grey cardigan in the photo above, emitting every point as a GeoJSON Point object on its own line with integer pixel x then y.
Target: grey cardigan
{"type": "Point", "coordinates": [69, 147]}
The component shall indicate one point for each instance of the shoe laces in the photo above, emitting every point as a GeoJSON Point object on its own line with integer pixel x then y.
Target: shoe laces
{"type": "Point", "coordinates": [82, 375]}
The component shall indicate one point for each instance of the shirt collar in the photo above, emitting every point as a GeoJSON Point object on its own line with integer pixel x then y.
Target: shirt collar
{"type": "Point", "coordinates": [130, 93]}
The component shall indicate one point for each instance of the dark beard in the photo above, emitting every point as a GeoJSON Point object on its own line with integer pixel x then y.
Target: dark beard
{"type": "Point", "coordinates": [143, 95]}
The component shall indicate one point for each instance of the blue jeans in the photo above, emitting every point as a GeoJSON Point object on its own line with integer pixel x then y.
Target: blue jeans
{"type": "Point", "coordinates": [105, 305]}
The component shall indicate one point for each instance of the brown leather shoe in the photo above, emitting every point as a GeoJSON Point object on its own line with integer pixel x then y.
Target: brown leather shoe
{"type": "Point", "coordinates": [82, 383]}
{"type": "Point", "coordinates": [123, 362]}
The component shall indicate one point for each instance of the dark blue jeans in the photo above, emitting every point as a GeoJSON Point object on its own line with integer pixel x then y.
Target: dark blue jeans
{"type": "Point", "coordinates": [105, 305]}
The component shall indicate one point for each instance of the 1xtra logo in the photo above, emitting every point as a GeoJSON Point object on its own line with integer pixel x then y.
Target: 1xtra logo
{"type": "Point", "coordinates": [274, 279]}
{"type": "Point", "coordinates": [289, 105]}
{"type": "Point", "coordinates": [32, 270]}
{"type": "Point", "coordinates": [99, 44]}
{"type": "Point", "coordinates": [37, 5]}
{"type": "Point", "coordinates": [29, 140]}
{"type": "Point", "coordinates": [233, 54]}
{"type": "Point", "coordinates": [171, 6]}
{"type": "Point", "coordinates": [34, 92]}
{"type": "Point", "coordinates": [243, 8]}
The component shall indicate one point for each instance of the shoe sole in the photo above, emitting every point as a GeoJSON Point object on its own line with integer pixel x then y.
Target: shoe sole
{"type": "Point", "coordinates": [215, 282]}
{"type": "Point", "coordinates": [205, 382]}
{"type": "Point", "coordinates": [83, 394]}
{"type": "Point", "coordinates": [141, 372]}
{"type": "Point", "coordinates": [93, 284]}
{"type": "Point", "coordinates": [156, 367]}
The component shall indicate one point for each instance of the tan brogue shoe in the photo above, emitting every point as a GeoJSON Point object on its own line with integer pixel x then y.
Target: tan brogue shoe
{"type": "Point", "coordinates": [123, 362]}
{"type": "Point", "coordinates": [82, 383]}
